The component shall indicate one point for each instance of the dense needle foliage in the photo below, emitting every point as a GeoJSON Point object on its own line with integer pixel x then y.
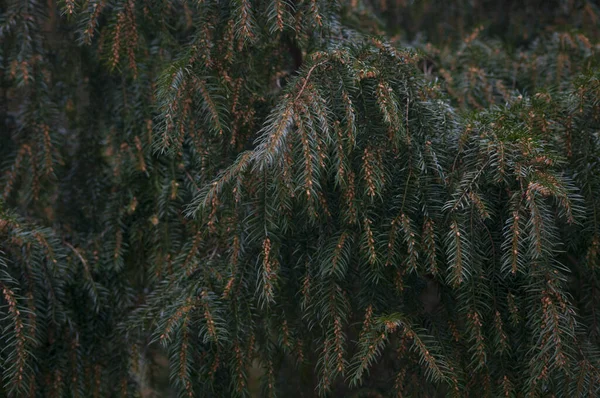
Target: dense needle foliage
{"type": "Point", "coordinates": [300, 197]}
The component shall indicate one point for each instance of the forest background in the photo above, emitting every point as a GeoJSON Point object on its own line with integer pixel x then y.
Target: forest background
{"type": "Point", "coordinates": [356, 198]}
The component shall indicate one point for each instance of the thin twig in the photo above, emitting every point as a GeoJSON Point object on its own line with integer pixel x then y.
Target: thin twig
{"type": "Point", "coordinates": [192, 180]}
{"type": "Point", "coordinates": [310, 71]}
{"type": "Point", "coordinates": [407, 120]}
{"type": "Point", "coordinates": [83, 260]}
{"type": "Point", "coordinates": [466, 191]}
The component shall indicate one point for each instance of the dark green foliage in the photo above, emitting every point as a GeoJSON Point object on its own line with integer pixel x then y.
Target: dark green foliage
{"type": "Point", "coordinates": [300, 197]}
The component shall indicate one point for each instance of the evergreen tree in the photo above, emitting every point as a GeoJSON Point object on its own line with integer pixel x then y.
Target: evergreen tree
{"type": "Point", "coordinates": [302, 197]}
